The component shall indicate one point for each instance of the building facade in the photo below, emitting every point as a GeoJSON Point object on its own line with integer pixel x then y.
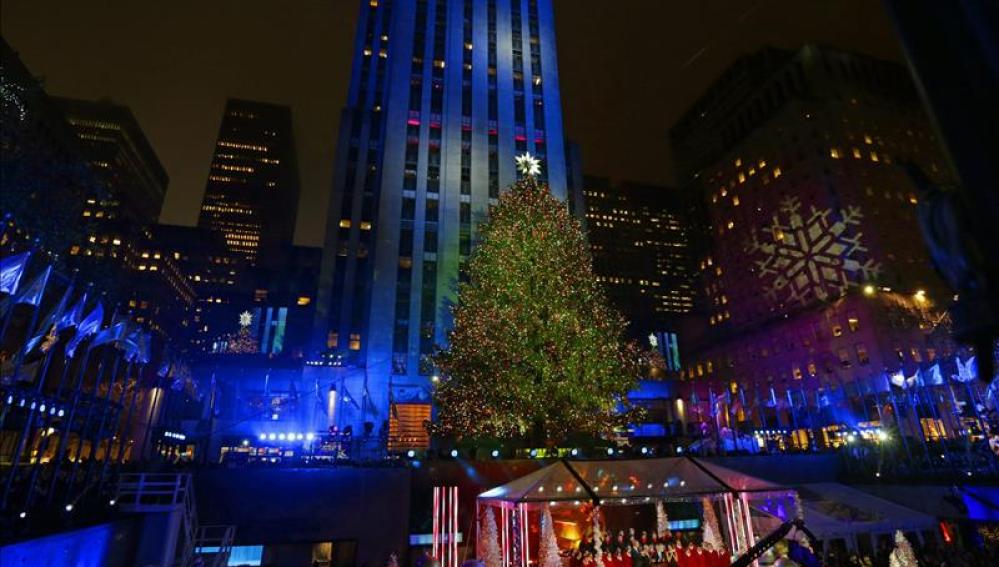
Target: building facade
{"type": "Point", "coordinates": [251, 197]}
{"type": "Point", "coordinates": [444, 94]}
{"type": "Point", "coordinates": [816, 272]}
{"type": "Point", "coordinates": [640, 244]}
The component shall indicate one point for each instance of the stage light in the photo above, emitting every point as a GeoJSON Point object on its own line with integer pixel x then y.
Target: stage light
{"type": "Point", "coordinates": [969, 473]}
{"type": "Point", "coordinates": [683, 483]}
{"type": "Point", "coordinates": [274, 417]}
{"type": "Point", "coordinates": [645, 450]}
{"type": "Point", "coordinates": [10, 399]}
{"type": "Point", "coordinates": [281, 436]}
{"type": "Point", "coordinates": [69, 507]}
{"type": "Point", "coordinates": [410, 453]}
{"type": "Point", "coordinates": [299, 436]}
{"type": "Point", "coordinates": [52, 411]}
{"type": "Point", "coordinates": [61, 413]}
{"type": "Point", "coordinates": [246, 442]}
{"type": "Point", "coordinates": [22, 515]}
{"type": "Point", "coordinates": [878, 474]}
{"type": "Point", "coordinates": [534, 453]}
{"type": "Point", "coordinates": [574, 452]}
{"type": "Point", "coordinates": [850, 438]}
{"type": "Point", "coordinates": [868, 290]}
{"type": "Point", "coordinates": [495, 453]}
{"type": "Point", "coordinates": [454, 453]}
{"type": "Point", "coordinates": [882, 435]}
{"type": "Point", "coordinates": [271, 437]}
{"type": "Point", "coordinates": [263, 437]}
{"type": "Point", "coordinates": [42, 408]}
{"type": "Point", "coordinates": [679, 450]}
{"type": "Point", "coordinates": [112, 502]}
{"type": "Point", "coordinates": [610, 451]}
{"type": "Point", "coordinates": [310, 436]}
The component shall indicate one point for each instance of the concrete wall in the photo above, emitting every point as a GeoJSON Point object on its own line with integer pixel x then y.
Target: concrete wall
{"type": "Point", "coordinates": [303, 506]}
{"type": "Point", "coordinates": [104, 545]}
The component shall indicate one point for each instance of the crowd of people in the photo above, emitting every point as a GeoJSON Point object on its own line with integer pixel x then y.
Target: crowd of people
{"type": "Point", "coordinates": [646, 549]}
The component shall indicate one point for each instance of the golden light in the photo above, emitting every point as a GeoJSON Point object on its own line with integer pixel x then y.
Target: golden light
{"type": "Point", "coordinates": [868, 290]}
{"type": "Point", "coordinates": [920, 296]}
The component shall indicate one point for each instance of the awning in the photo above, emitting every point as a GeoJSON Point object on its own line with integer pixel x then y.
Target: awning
{"type": "Point", "coordinates": [629, 482]}
{"type": "Point", "coordinates": [835, 510]}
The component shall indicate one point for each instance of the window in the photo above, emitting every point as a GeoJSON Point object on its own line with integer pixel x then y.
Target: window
{"type": "Point", "coordinates": [344, 223]}
{"type": "Point", "coordinates": [332, 338]}
{"type": "Point", "coordinates": [834, 153]}
{"type": "Point", "coordinates": [844, 358]}
{"type": "Point", "coordinates": [853, 323]}
{"type": "Point", "coordinates": [862, 356]}
{"type": "Point", "coordinates": [837, 330]}
{"type": "Point", "coordinates": [304, 300]}
{"type": "Point", "coordinates": [355, 341]}
{"type": "Point", "coordinates": [260, 295]}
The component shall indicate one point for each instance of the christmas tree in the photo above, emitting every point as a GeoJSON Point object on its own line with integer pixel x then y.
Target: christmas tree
{"type": "Point", "coordinates": [535, 348]}
{"type": "Point", "coordinates": [489, 551]}
{"type": "Point", "coordinates": [548, 555]}
{"type": "Point", "coordinates": [662, 520]}
{"type": "Point", "coordinates": [902, 555]}
{"type": "Point", "coordinates": [711, 531]}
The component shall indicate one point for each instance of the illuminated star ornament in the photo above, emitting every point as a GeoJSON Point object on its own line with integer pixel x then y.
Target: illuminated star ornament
{"type": "Point", "coordinates": [528, 165]}
{"type": "Point", "coordinates": [245, 319]}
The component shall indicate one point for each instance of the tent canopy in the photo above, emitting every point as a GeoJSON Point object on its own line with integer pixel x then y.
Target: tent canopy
{"type": "Point", "coordinates": [628, 482]}
{"type": "Point", "coordinates": [835, 510]}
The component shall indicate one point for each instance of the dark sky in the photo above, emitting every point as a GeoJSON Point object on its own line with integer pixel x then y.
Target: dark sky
{"type": "Point", "coordinates": [628, 69]}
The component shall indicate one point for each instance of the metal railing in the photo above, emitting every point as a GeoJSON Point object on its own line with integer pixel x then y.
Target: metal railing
{"type": "Point", "coordinates": [214, 543]}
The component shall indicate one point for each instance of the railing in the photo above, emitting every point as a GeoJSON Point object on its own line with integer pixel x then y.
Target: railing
{"type": "Point", "coordinates": [156, 492]}
{"type": "Point", "coordinates": [214, 543]}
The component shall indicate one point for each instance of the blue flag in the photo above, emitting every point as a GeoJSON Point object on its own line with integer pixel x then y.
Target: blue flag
{"type": "Point", "coordinates": [32, 295]}
{"type": "Point", "coordinates": [48, 324]}
{"type": "Point", "coordinates": [72, 317]}
{"type": "Point", "coordinates": [113, 333]}
{"type": "Point", "coordinates": [11, 270]}
{"type": "Point", "coordinates": [88, 326]}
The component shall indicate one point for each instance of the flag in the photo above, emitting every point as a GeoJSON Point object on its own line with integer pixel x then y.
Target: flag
{"type": "Point", "coordinates": [72, 317]}
{"type": "Point", "coordinates": [965, 371]}
{"type": "Point", "coordinates": [113, 333]}
{"type": "Point", "coordinates": [143, 355]}
{"type": "Point", "coordinates": [49, 325]}
{"type": "Point", "coordinates": [166, 367]}
{"type": "Point", "coordinates": [32, 295]}
{"type": "Point", "coordinates": [88, 326]}
{"type": "Point", "coordinates": [899, 379]}
{"type": "Point", "coordinates": [932, 376]}
{"type": "Point", "coordinates": [11, 270]}
{"type": "Point", "coordinates": [130, 343]}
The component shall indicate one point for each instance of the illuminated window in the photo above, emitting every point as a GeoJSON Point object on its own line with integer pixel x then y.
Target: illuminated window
{"type": "Point", "coordinates": [856, 153]}
{"type": "Point", "coordinates": [837, 330]}
{"type": "Point", "coordinates": [738, 162]}
{"type": "Point", "coordinates": [406, 427]}
{"type": "Point", "coordinates": [796, 371]}
{"type": "Point", "coordinates": [742, 177]}
{"type": "Point", "coordinates": [344, 223]}
{"type": "Point", "coordinates": [867, 139]}
{"type": "Point", "coordinates": [853, 323]}
{"type": "Point", "coordinates": [777, 172]}
{"type": "Point", "coordinates": [874, 156]}
{"type": "Point", "coordinates": [74, 250]}
{"type": "Point", "coordinates": [735, 201]}
{"type": "Point", "coordinates": [332, 338]}
{"type": "Point", "coordinates": [260, 295]}
{"type": "Point", "coordinates": [834, 153]}
{"type": "Point", "coordinates": [844, 358]}
{"type": "Point", "coordinates": [355, 342]}
{"type": "Point", "coordinates": [365, 225]}
{"type": "Point", "coordinates": [304, 300]}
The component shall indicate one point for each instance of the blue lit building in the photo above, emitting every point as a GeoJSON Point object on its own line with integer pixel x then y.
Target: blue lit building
{"type": "Point", "coordinates": [444, 94]}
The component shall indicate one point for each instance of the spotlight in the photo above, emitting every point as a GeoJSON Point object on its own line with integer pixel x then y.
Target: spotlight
{"type": "Point", "coordinates": [868, 290]}
{"type": "Point", "coordinates": [495, 453]}
{"type": "Point", "coordinates": [310, 436]}
{"type": "Point", "coordinates": [61, 413]}
{"type": "Point", "coordinates": [10, 399]}
{"type": "Point", "coordinates": [679, 450]}
{"type": "Point", "coordinates": [969, 473]}
{"type": "Point", "coordinates": [574, 452]}
{"type": "Point", "coordinates": [610, 451]}
{"type": "Point", "coordinates": [454, 453]}
{"type": "Point", "coordinates": [22, 515]}
{"type": "Point", "coordinates": [69, 507]}
{"type": "Point", "coordinates": [534, 453]}
{"type": "Point", "coordinates": [878, 474]}
{"type": "Point", "coordinates": [281, 436]}
{"type": "Point", "coordinates": [271, 437]}
{"type": "Point", "coordinates": [882, 435]}
{"type": "Point", "coordinates": [299, 436]}
{"type": "Point", "coordinates": [850, 438]}
{"type": "Point", "coordinates": [52, 411]}
{"type": "Point", "coordinates": [246, 442]}
{"type": "Point", "coordinates": [410, 453]}
{"type": "Point", "coordinates": [42, 408]}
{"type": "Point", "coordinates": [645, 450]}
{"type": "Point", "coordinates": [263, 437]}
{"type": "Point", "coordinates": [112, 502]}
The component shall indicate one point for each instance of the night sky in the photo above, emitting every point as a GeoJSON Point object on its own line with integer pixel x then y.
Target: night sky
{"type": "Point", "coordinates": [628, 70]}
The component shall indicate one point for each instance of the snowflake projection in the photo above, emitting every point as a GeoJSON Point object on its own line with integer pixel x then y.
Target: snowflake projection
{"type": "Point", "coordinates": [815, 257]}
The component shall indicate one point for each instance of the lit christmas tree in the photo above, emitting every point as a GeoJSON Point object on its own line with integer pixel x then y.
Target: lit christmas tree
{"type": "Point", "coordinates": [711, 531]}
{"type": "Point", "coordinates": [662, 520]}
{"type": "Point", "coordinates": [548, 555]}
{"type": "Point", "coordinates": [243, 342]}
{"type": "Point", "coordinates": [489, 551]}
{"type": "Point", "coordinates": [535, 349]}
{"type": "Point", "coordinates": [902, 555]}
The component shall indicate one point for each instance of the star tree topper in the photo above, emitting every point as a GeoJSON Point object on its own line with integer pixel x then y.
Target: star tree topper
{"type": "Point", "coordinates": [528, 165]}
{"type": "Point", "coordinates": [245, 319]}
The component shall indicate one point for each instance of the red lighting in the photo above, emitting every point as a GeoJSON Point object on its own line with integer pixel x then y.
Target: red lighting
{"type": "Point", "coordinates": [520, 138]}
{"type": "Point", "coordinates": [413, 122]}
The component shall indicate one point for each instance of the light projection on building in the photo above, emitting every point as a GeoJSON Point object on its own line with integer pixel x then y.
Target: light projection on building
{"type": "Point", "coordinates": [807, 256]}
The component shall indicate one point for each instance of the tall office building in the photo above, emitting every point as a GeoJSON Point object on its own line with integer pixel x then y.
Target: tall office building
{"type": "Point", "coordinates": [640, 244]}
{"type": "Point", "coordinates": [444, 94]}
{"type": "Point", "coordinates": [252, 193]}
{"type": "Point", "coordinates": [816, 273]}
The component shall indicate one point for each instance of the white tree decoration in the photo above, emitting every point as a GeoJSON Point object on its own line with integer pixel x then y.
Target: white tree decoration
{"type": "Point", "coordinates": [598, 554]}
{"type": "Point", "coordinates": [662, 520]}
{"type": "Point", "coordinates": [711, 531]}
{"type": "Point", "coordinates": [489, 541]}
{"type": "Point", "coordinates": [528, 165]}
{"type": "Point", "coordinates": [902, 555]}
{"type": "Point", "coordinates": [548, 555]}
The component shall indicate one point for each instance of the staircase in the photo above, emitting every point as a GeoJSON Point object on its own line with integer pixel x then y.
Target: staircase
{"type": "Point", "coordinates": [168, 492]}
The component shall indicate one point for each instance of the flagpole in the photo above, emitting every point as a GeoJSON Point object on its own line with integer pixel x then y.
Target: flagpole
{"type": "Point", "coordinates": [122, 428]}
{"type": "Point", "coordinates": [19, 358]}
{"type": "Point", "coordinates": [104, 409]}
{"type": "Point", "coordinates": [898, 422]}
{"type": "Point", "coordinates": [120, 458]}
{"type": "Point", "coordinates": [74, 470]}
{"type": "Point", "coordinates": [13, 297]}
{"type": "Point", "coordinates": [67, 425]}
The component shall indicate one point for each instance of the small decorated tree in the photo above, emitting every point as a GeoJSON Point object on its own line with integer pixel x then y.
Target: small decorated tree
{"type": "Point", "coordinates": [711, 531]}
{"type": "Point", "coordinates": [662, 520]}
{"type": "Point", "coordinates": [902, 555]}
{"type": "Point", "coordinates": [548, 555]}
{"type": "Point", "coordinates": [489, 549]}
{"type": "Point", "coordinates": [598, 545]}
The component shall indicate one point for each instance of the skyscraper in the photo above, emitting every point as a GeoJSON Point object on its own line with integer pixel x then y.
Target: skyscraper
{"type": "Point", "coordinates": [639, 239]}
{"type": "Point", "coordinates": [816, 274]}
{"type": "Point", "coordinates": [252, 193]}
{"type": "Point", "coordinates": [444, 94]}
